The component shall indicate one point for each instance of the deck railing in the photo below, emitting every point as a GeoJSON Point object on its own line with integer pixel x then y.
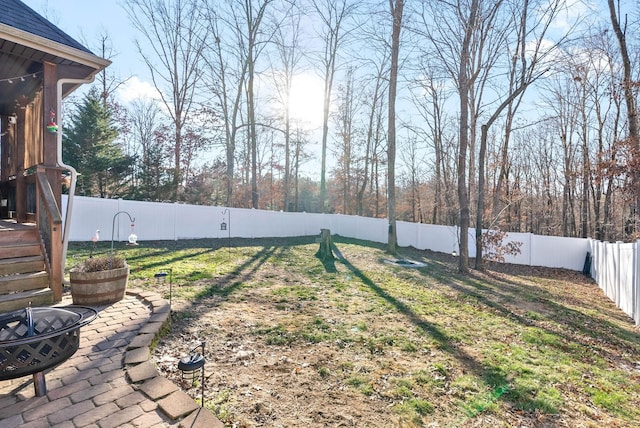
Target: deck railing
{"type": "Point", "coordinates": [49, 222]}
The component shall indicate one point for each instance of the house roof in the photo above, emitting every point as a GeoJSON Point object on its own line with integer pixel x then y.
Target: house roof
{"type": "Point", "coordinates": [27, 41]}
{"type": "Point", "coordinates": [20, 16]}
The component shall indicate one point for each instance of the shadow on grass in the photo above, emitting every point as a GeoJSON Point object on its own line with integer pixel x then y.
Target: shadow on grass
{"type": "Point", "coordinates": [234, 279]}
{"type": "Point", "coordinates": [492, 376]}
{"type": "Point", "coordinates": [502, 296]}
{"type": "Point", "coordinates": [508, 300]}
{"type": "Point", "coordinates": [329, 264]}
{"type": "Point", "coordinates": [141, 254]}
{"type": "Point", "coordinates": [522, 296]}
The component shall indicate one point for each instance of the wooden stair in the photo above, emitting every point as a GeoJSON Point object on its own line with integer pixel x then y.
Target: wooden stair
{"type": "Point", "coordinates": [23, 276]}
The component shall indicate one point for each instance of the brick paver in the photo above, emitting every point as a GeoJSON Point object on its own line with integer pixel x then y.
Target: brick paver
{"type": "Point", "coordinates": [70, 412]}
{"type": "Point", "coordinates": [97, 388]}
{"type": "Point", "coordinates": [95, 415]}
{"type": "Point", "coordinates": [121, 417]}
{"type": "Point", "coordinates": [177, 404]}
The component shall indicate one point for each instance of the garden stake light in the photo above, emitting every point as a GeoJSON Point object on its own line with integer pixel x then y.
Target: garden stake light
{"type": "Point", "coordinates": [190, 365]}
{"type": "Point", "coordinates": [161, 278]}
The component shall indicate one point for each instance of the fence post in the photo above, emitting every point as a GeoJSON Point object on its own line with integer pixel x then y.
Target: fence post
{"type": "Point", "coordinates": [635, 293]}
{"type": "Point", "coordinates": [617, 274]}
{"type": "Point", "coordinates": [595, 260]}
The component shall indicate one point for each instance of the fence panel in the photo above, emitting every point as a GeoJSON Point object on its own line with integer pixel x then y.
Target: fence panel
{"type": "Point", "coordinates": [625, 294]}
{"type": "Point", "coordinates": [372, 229]}
{"type": "Point", "coordinates": [443, 239]}
{"type": "Point", "coordinates": [615, 268]}
{"type": "Point", "coordinates": [559, 252]}
{"type": "Point", "coordinates": [97, 215]}
{"type": "Point", "coordinates": [526, 248]}
{"type": "Point", "coordinates": [407, 233]}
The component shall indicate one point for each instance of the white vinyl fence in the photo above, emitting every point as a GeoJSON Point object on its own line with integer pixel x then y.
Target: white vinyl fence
{"type": "Point", "coordinates": [168, 221]}
{"type": "Point", "coordinates": [615, 267]}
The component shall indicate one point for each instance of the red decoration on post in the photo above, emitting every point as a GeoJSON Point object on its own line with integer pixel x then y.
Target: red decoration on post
{"type": "Point", "coordinates": [51, 126]}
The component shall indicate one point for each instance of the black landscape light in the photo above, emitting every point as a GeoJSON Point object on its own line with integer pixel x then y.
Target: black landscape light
{"type": "Point", "coordinates": [191, 365]}
{"type": "Point", "coordinates": [161, 278]}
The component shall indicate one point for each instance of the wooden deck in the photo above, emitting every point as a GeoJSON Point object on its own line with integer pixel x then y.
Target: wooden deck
{"type": "Point", "coordinates": [8, 224]}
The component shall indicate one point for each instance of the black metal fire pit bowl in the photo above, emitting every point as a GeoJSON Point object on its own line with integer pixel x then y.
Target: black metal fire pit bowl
{"type": "Point", "coordinates": [33, 340]}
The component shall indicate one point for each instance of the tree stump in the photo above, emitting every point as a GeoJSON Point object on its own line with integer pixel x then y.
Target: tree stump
{"type": "Point", "coordinates": [325, 252]}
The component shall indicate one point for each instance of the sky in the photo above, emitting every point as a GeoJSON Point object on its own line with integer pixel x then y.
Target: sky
{"type": "Point", "coordinates": [85, 21]}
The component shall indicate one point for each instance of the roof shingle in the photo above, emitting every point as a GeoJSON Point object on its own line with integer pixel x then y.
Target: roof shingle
{"type": "Point", "coordinates": [18, 15]}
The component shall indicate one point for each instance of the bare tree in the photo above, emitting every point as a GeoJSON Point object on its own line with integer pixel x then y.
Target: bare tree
{"type": "Point", "coordinates": [152, 150]}
{"type": "Point", "coordinates": [525, 68]}
{"type": "Point", "coordinates": [375, 83]}
{"type": "Point", "coordinates": [175, 37]}
{"type": "Point", "coordinates": [429, 100]}
{"type": "Point", "coordinates": [333, 15]}
{"type": "Point", "coordinates": [628, 85]}
{"type": "Point", "coordinates": [106, 80]}
{"type": "Point", "coordinates": [464, 86]}
{"type": "Point", "coordinates": [288, 48]}
{"type": "Point", "coordinates": [396, 9]}
{"type": "Point", "coordinates": [255, 43]}
{"type": "Point", "coordinates": [226, 72]}
{"type": "Point", "coordinates": [412, 160]}
{"type": "Point", "coordinates": [345, 119]}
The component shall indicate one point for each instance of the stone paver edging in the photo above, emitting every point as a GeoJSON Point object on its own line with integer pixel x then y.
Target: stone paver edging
{"type": "Point", "coordinates": [173, 402]}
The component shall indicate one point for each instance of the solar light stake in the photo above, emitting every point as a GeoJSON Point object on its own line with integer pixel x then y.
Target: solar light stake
{"type": "Point", "coordinates": [160, 278]}
{"type": "Point", "coordinates": [190, 365]}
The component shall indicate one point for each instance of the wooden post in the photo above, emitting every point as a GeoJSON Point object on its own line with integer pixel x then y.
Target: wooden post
{"type": "Point", "coordinates": [21, 182]}
{"type": "Point", "coordinates": [325, 252]}
{"type": "Point", "coordinates": [49, 140]}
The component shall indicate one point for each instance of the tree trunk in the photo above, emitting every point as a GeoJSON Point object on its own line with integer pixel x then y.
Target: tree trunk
{"type": "Point", "coordinates": [480, 214]}
{"type": "Point", "coordinates": [463, 88]}
{"type": "Point", "coordinates": [396, 15]}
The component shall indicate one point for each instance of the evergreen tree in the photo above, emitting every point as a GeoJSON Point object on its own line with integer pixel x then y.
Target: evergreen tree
{"type": "Point", "coordinates": [90, 146]}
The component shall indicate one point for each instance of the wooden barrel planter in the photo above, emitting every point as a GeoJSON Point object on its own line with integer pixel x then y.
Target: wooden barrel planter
{"type": "Point", "coordinates": [98, 288]}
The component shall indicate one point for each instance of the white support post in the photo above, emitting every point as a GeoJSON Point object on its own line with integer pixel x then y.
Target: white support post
{"type": "Point", "coordinates": [636, 283]}
{"type": "Point", "coordinates": [617, 274]}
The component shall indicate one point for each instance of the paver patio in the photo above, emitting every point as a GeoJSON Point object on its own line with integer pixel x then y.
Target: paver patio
{"type": "Point", "coordinates": [109, 381]}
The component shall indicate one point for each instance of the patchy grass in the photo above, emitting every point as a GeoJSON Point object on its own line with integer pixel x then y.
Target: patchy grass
{"type": "Point", "coordinates": [359, 342]}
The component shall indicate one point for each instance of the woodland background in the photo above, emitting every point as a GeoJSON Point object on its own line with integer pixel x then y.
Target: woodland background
{"type": "Point", "coordinates": [516, 115]}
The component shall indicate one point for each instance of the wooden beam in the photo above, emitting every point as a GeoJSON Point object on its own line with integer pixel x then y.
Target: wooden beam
{"type": "Point", "coordinates": [50, 140]}
{"type": "Point", "coordinates": [21, 183]}
{"type": "Point", "coordinates": [49, 103]}
{"type": "Point", "coordinates": [5, 149]}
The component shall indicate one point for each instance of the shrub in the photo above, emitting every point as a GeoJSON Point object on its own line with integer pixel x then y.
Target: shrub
{"type": "Point", "coordinates": [97, 264]}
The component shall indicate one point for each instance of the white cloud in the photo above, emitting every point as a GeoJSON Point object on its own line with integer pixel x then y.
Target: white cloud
{"type": "Point", "coordinates": [574, 14]}
{"type": "Point", "coordinates": [134, 89]}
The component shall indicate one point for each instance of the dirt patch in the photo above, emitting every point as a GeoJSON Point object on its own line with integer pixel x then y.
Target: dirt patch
{"type": "Point", "coordinates": [291, 342]}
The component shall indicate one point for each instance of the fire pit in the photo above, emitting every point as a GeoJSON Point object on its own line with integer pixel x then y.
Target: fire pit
{"type": "Point", "coordinates": [33, 340]}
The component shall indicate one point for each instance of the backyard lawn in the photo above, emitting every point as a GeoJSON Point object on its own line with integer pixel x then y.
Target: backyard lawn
{"type": "Point", "coordinates": [361, 342]}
